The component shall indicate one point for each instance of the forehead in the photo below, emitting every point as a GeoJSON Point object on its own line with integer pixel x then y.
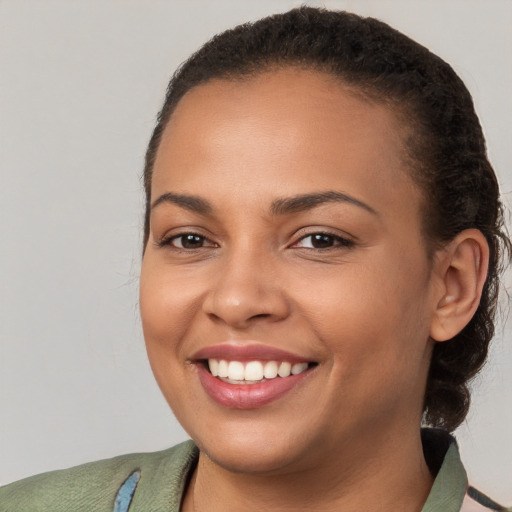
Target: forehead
{"type": "Point", "coordinates": [294, 128]}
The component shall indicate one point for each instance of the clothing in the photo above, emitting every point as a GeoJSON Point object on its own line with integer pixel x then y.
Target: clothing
{"type": "Point", "coordinates": [93, 487]}
{"type": "Point", "coordinates": [155, 482]}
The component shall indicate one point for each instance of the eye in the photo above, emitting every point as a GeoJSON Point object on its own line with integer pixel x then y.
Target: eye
{"type": "Point", "coordinates": [323, 241]}
{"type": "Point", "coordinates": [187, 241]}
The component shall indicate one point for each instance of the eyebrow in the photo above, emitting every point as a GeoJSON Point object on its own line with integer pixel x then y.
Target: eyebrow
{"type": "Point", "coordinates": [281, 206]}
{"type": "Point", "coordinates": [193, 203]}
{"type": "Point", "coordinates": [308, 201]}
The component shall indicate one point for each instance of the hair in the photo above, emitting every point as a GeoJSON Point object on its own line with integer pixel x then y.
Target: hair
{"type": "Point", "coordinates": [445, 145]}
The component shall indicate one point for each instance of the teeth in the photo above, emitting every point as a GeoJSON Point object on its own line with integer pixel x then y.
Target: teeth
{"type": "Point", "coordinates": [270, 370]}
{"type": "Point", "coordinates": [299, 368]}
{"type": "Point", "coordinates": [223, 368]}
{"type": "Point", "coordinates": [253, 371]}
{"type": "Point", "coordinates": [214, 367]}
{"type": "Point", "coordinates": [236, 370]}
{"type": "Point", "coordinates": [285, 369]}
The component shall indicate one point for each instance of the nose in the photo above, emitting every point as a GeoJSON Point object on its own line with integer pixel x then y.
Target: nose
{"type": "Point", "coordinates": [246, 291]}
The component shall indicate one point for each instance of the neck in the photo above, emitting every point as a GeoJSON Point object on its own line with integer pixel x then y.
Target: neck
{"type": "Point", "coordinates": [381, 476]}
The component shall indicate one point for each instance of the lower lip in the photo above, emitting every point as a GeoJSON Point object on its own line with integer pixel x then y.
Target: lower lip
{"type": "Point", "coordinates": [248, 396]}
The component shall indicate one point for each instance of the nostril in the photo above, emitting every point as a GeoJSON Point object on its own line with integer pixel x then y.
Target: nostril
{"type": "Point", "coordinates": [261, 315]}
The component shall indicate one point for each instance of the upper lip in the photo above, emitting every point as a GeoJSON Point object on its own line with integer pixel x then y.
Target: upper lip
{"type": "Point", "coordinates": [247, 352]}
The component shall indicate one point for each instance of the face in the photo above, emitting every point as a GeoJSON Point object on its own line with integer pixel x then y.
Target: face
{"type": "Point", "coordinates": [286, 236]}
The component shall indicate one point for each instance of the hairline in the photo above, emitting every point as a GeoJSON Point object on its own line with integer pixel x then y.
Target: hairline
{"type": "Point", "coordinates": [398, 110]}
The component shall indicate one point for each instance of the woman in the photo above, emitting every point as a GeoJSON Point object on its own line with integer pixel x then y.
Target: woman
{"type": "Point", "coordinates": [323, 239]}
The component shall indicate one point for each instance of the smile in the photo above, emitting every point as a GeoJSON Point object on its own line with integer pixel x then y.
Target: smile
{"type": "Point", "coordinates": [251, 372]}
{"type": "Point", "coordinates": [248, 376]}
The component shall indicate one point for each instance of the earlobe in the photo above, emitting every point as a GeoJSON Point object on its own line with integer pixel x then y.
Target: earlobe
{"type": "Point", "coordinates": [462, 268]}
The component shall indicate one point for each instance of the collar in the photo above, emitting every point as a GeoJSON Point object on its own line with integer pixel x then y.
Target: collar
{"type": "Point", "coordinates": [439, 447]}
{"type": "Point", "coordinates": [443, 459]}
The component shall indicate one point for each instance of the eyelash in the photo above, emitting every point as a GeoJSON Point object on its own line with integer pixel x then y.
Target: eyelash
{"type": "Point", "coordinates": [336, 240]}
{"type": "Point", "coordinates": [168, 241]}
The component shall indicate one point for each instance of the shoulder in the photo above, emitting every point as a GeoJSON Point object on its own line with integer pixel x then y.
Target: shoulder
{"type": "Point", "coordinates": [95, 485]}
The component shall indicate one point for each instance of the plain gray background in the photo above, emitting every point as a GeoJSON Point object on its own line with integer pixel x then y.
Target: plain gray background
{"type": "Point", "coordinates": [80, 85]}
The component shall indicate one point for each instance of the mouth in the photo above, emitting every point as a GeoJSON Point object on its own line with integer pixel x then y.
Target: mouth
{"type": "Point", "coordinates": [251, 376]}
{"type": "Point", "coordinates": [253, 372]}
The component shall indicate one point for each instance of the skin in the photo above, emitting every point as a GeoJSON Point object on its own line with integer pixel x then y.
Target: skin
{"type": "Point", "coordinates": [363, 308]}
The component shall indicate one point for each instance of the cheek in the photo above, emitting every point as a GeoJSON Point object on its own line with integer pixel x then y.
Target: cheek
{"type": "Point", "coordinates": [165, 309]}
{"type": "Point", "coordinates": [165, 320]}
{"type": "Point", "coordinates": [371, 313]}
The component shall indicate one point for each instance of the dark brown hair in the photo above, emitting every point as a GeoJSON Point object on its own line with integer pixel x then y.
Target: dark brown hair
{"type": "Point", "coordinates": [445, 144]}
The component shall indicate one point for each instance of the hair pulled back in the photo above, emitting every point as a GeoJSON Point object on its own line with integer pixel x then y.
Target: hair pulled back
{"type": "Point", "coordinates": [445, 143]}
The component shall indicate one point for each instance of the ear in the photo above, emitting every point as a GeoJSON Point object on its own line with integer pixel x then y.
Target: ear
{"type": "Point", "coordinates": [462, 267]}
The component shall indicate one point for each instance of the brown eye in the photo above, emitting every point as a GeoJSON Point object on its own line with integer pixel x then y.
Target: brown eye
{"type": "Point", "coordinates": [323, 241]}
{"type": "Point", "coordinates": [188, 241]}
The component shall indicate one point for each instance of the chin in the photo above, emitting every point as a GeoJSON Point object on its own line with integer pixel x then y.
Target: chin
{"type": "Point", "coordinates": [257, 447]}
{"type": "Point", "coordinates": [252, 459]}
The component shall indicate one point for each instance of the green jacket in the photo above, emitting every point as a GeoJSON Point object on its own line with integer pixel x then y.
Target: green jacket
{"type": "Point", "coordinates": [155, 482]}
